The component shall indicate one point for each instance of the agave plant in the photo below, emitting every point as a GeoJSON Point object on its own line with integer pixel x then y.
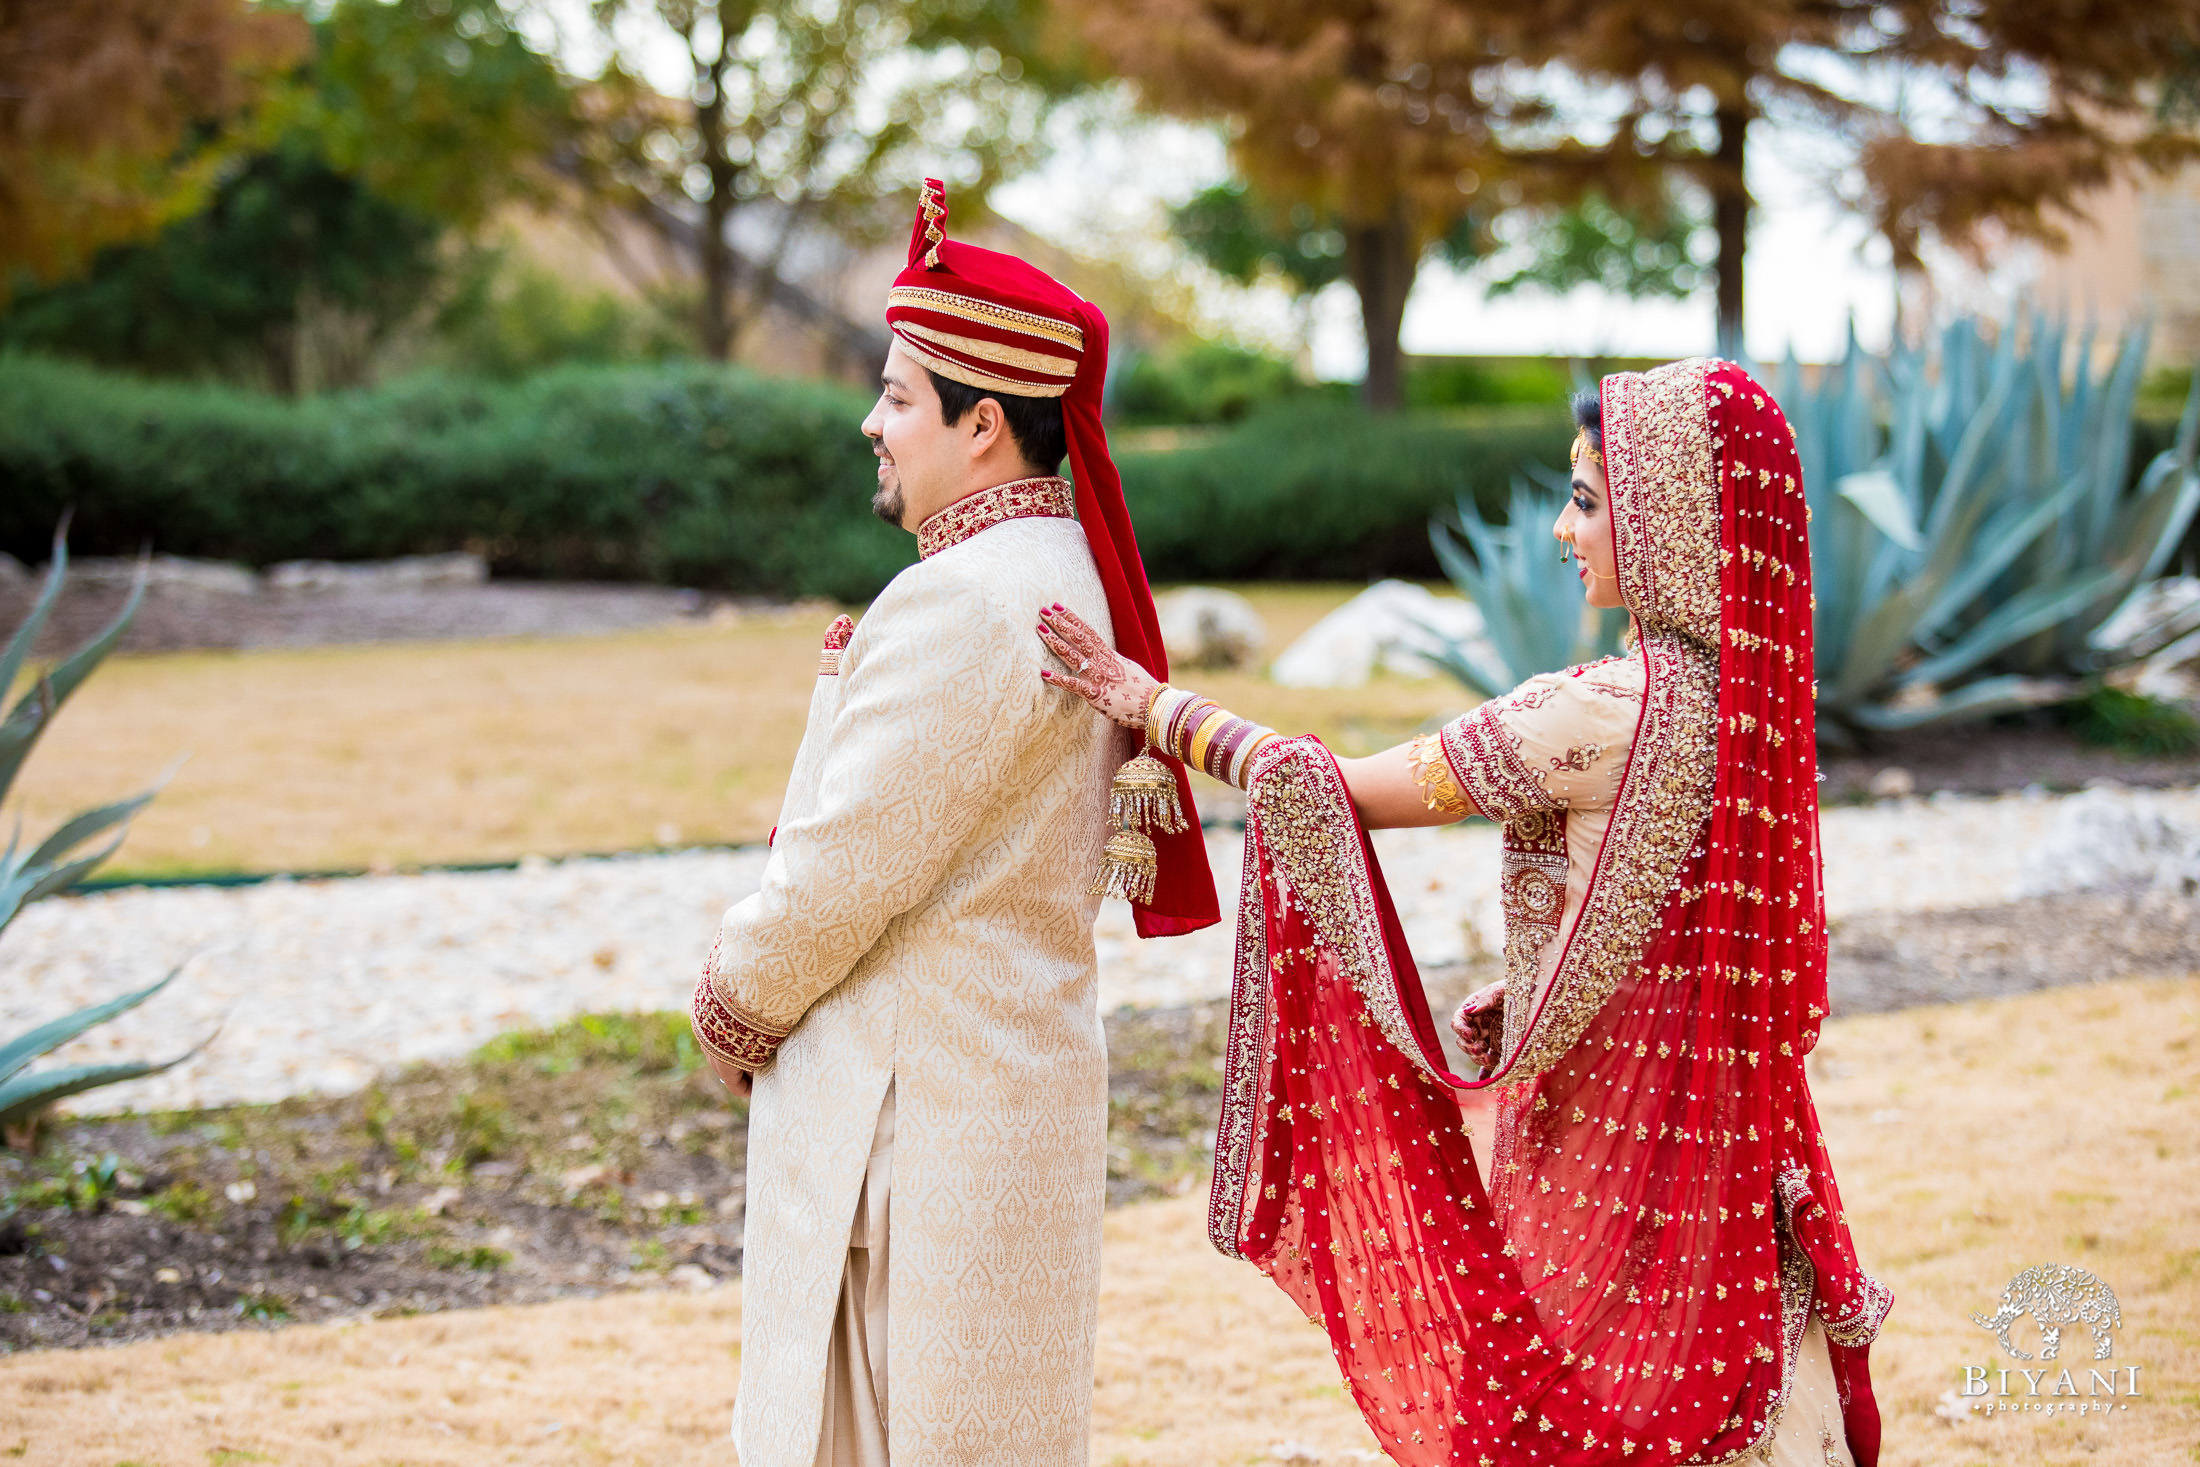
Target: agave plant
{"type": "Point", "coordinates": [1975, 522]}
{"type": "Point", "coordinates": [1529, 598]}
{"type": "Point", "coordinates": [26, 1097]}
{"type": "Point", "coordinates": [57, 863]}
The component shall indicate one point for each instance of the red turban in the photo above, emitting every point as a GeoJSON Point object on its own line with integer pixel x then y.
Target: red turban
{"type": "Point", "coordinates": [996, 323]}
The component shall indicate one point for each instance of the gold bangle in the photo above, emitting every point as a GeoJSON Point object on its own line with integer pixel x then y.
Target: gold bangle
{"type": "Point", "coordinates": [1210, 724]}
{"type": "Point", "coordinates": [1151, 699]}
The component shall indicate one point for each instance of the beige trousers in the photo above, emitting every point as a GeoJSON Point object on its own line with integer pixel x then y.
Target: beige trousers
{"type": "Point", "coordinates": [1809, 1432]}
{"type": "Point", "coordinates": [853, 1433]}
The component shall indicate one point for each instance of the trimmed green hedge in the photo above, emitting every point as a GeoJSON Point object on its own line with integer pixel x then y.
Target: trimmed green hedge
{"type": "Point", "coordinates": [1321, 491]}
{"type": "Point", "coordinates": [682, 473]}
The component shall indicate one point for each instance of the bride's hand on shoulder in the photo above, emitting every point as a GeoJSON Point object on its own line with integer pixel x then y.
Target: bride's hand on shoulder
{"type": "Point", "coordinates": [1479, 1023]}
{"type": "Point", "coordinates": [1119, 688]}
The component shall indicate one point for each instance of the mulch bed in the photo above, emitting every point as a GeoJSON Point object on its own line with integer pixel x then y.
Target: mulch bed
{"type": "Point", "coordinates": [597, 1155]}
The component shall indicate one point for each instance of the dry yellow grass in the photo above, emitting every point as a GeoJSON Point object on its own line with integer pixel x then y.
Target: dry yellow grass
{"type": "Point", "coordinates": [1975, 1140]}
{"type": "Point", "coordinates": [431, 753]}
{"type": "Point", "coordinates": [1972, 1141]}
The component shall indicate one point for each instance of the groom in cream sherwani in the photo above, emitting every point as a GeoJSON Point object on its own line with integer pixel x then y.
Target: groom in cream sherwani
{"type": "Point", "coordinates": [913, 990]}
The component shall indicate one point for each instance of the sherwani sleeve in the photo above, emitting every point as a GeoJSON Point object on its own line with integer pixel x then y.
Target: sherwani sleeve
{"type": "Point", "coordinates": [940, 693]}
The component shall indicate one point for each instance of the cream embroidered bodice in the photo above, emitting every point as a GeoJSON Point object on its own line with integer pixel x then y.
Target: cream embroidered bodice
{"type": "Point", "coordinates": [1546, 760]}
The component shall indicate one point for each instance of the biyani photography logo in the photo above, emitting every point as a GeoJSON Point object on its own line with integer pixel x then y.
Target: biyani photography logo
{"type": "Point", "coordinates": [2057, 1298]}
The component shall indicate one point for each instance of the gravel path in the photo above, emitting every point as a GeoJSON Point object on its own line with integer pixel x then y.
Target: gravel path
{"type": "Point", "coordinates": [319, 984]}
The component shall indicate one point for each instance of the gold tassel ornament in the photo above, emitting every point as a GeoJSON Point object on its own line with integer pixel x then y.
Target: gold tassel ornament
{"type": "Point", "coordinates": [1128, 868]}
{"type": "Point", "coordinates": [1143, 795]}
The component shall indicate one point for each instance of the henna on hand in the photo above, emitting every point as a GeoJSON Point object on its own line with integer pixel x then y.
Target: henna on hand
{"type": "Point", "coordinates": [1111, 683]}
{"type": "Point", "coordinates": [1480, 1024]}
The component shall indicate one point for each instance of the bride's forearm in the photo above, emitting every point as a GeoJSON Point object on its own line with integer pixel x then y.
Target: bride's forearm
{"type": "Point", "coordinates": [1204, 734]}
{"type": "Point", "coordinates": [1408, 784]}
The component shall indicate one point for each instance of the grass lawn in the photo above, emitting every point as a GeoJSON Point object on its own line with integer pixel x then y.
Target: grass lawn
{"type": "Point", "coordinates": [434, 753]}
{"type": "Point", "coordinates": [1972, 1140]}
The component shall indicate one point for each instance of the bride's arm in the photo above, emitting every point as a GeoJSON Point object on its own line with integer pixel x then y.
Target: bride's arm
{"type": "Point", "coordinates": [1406, 785]}
{"type": "Point", "coordinates": [1400, 787]}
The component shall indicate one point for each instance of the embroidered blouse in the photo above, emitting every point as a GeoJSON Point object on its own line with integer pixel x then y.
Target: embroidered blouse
{"type": "Point", "coordinates": [1554, 746]}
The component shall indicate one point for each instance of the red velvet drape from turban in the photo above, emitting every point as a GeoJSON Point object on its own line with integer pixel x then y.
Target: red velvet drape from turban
{"type": "Point", "coordinates": [996, 322]}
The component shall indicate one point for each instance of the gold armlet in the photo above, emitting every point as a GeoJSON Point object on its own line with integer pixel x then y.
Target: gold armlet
{"type": "Point", "coordinates": [1432, 773]}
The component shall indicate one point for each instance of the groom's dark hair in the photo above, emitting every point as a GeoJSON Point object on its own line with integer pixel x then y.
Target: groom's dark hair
{"type": "Point", "coordinates": [1034, 422]}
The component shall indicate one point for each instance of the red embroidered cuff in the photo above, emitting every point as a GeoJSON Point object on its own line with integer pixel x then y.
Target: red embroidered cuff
{"type": "Point", "coordinates": [738, 1039]}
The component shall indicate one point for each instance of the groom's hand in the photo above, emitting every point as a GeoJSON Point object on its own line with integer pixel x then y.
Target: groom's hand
{"type": "Point", "coordinates": [732, 1076]}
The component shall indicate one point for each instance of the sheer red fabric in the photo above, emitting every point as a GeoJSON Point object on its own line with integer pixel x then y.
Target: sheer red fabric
{"type": "Point", "coordinates": [1633, 1281]}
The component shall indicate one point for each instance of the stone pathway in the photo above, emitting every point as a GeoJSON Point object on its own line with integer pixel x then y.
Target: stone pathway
{"type": "Point", "coordinates": [319, 984]}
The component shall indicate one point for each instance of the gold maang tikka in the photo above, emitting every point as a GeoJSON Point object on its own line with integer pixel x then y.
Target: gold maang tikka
{"type": "Point", "coordinates": [1584, 448]}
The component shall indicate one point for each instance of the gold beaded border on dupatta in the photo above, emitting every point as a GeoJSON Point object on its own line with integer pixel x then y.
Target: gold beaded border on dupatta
{"type": "Point", "coordinates": [1662, 487]}
{"type": "Point", "coordinates": [1663, 491]}
{"type": "Point", "coordinates": [1299, 810]}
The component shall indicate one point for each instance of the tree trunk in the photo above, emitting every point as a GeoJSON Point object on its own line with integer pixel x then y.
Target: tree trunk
{"type": "Point", "coordinates": [717, 252]}
{"type": "Point", "coordinates": [1380, 260]}
{"type": "Point", "coordinates": [1730, 218]}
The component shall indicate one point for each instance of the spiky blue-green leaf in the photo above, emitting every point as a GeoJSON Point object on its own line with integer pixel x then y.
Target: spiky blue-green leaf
{"type": "Point", "coordinates": [54, 1033]}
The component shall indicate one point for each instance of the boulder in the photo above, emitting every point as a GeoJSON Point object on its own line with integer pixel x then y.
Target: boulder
{"type": "Point", "coordinates": [406, 573]}
{"type": "Point", "coordinates": [1392, 625]}
{"type": "Point", "coordinates": [2154, 616]}
{"type": "Point", "coordinates": [1204, 627]}
{"type": "Point", "coordinates": [2108, 838]}
{"type": "Point", "coordinates": [221, 577]}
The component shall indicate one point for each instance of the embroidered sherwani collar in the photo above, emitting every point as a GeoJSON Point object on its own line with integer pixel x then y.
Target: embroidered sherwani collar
{"type": "Point", "coordinates": [1019, 499]}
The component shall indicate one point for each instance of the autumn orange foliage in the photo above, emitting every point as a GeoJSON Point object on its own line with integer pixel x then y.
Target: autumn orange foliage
{"type": "Point", "coordinates": [99, 107]}
{"type": "Point", "coordinates": [1967, 119]}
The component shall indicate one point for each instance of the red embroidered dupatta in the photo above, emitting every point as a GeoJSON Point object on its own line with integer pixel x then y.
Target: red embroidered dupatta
{"type": "Point", "coordinates": [1634, 1281]}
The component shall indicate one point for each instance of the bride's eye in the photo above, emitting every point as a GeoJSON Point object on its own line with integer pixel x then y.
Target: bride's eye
{"type": "Point", "coordinates": [1585, 504]}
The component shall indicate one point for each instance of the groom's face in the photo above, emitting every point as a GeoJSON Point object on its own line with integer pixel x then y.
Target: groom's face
{"type": "Point", "coordinates": [921, 460]}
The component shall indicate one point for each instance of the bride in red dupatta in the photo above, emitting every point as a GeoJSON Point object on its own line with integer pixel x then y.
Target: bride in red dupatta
{"type": "Point", "coordinates": [1658, 1268]}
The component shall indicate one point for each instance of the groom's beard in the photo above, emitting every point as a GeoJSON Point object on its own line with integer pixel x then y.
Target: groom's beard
{"type": "Point", "coordinates": [887, 504]}
{"type": "Point", "coordinates": [887, 501]}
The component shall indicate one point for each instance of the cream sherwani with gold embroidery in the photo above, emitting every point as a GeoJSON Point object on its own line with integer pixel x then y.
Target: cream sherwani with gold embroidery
{"type": "Point", "coordinates": [924, 921]}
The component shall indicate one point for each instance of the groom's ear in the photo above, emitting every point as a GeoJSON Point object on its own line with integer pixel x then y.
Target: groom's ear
{"type": "Point", "coordinates": [988, 426]}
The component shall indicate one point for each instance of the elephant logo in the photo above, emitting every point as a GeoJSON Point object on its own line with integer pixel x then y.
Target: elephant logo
{"type": "Point", "coordinates": [2057, 1297]}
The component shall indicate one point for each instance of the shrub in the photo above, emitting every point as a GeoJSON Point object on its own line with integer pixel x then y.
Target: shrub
{"type": "Point", "coordinates": [684, 473]}
{"type": "Point", "coordinates": [1201, 382]}
{"type": "Point", "coordinates": [2132, 723]}
{"type": "Point", "coordinates": [1464, 381]}
{"type": "Point", "coordinates": [1320, 491]}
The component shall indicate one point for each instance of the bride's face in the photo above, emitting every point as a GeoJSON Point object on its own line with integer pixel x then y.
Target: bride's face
{"type": "Point", "coordinates": [1586, 522]}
